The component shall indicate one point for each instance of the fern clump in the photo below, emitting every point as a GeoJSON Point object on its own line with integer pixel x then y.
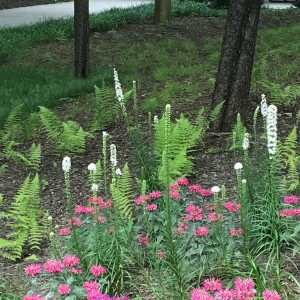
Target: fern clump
{"type": "Point", "coordinates": [29, 224]}
{"type": "Point", "coordinates": [68, 137]}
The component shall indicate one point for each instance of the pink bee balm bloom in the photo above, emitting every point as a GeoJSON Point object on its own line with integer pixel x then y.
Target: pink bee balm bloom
{"type": "Point", "coordinates": [143, 240]}
{"type": "Point", "coordinates": [64, 289]}
{"type": "Point", "coordinates": [65, 231]}
{"type": "Point", "coordinates": [33, 269]}
{"type": "Point", "coordinates": [95, 295]}
{"type": "Point", "coordinates": [205, 193]}
{"type": "Point", "coordinates": [244, 284]}
{"type": "Point", "coordinates": [237, 232]}
{"type": "Point", "coordinates": [110, 230]}
{"type": "Point", "coordinates": [201, 294]}
{"type": "Point", "coordinates": [100, 200]}
{"type": "Point", "coordinates": [90, 285]}
{"type": "Point", "coordinates": [194, 210]}
{"type": "Point", "coordinates": [202, 231]}
{"type": "Point", "coordinates": [212, 285]}
{"type": "Point", "coordinates": [32, 297]}
{"type": "Point", "coordinates": [174, 194]}
{"type": "Point", "coordinates": [225, 294]}
{"type": "Point", "coordinates": [231, 206]}
{"type": "Point", "coordinates": [76, 271]}
{"type": "Point", "coordinates": [151, 207]}
{"type": "Point", "coordinates": [160, 255]}
{"type": "Point", "coordinates": [101, 219]}
{"type": "Point", "coordinates": [76, 221]}
{"type": "Point", "coordinates": [290, 199]}
{"type": "Point", "coordinates": [139, 200]}
{"type": "Point", "coordinates": [211, 207]}
{"type": "Point", "coordinates": [271, 295]}
{"type": "Point", "coordinates": [155, 194]}
{"type": "Point", "coordinates": [173, 187]}
{"type": "Point", "coordinates": [182, 181]}
{"type": "Point", "coordinates": [213, 217]}
{"type": "Point", "coordinates": [81, 209]}
{"type": "Point", "coordinates": [194, 218]}
{"type": "Point", "coordinates": [71, 261]}
{"type": "Point", "coordinates": [195, 188]}
{"type": "Point", "coordinates": [53, 266]}
{"type": "Point", "coordinates": [97, 270]}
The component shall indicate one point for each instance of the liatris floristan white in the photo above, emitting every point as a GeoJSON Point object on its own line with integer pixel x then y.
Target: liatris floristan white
{"type": "Point", "coordinates": [118, 172]}
{"type": "Point", "coordinates": [118, 87]}
{"type": "Point", "coordinates": [246, 141]}
{"type": "Point", "coordinates": [215, 189]}
{"type": "Point", "coordinates": [155, 119]}
{"type": "Point", "coordinates": [92, 168]}
{"type": "Point", "coordinates": [94, 187]}
{"type": "Point", "coordinates": [238, 166]}
{"type": "Point", "coordinates": [264, 106]}
{"type": "Point", "coordinates": [105, 134]}
{"type": "Point", "coordinates": [272, 129]}
{"type": "Point", "coordinates": [66, 164]}
{"type": "Point", "coordinates": [113, 155]}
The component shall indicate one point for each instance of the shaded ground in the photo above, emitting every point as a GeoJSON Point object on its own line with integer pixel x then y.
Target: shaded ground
{"type": "Point", "coordinates": [214, 166]}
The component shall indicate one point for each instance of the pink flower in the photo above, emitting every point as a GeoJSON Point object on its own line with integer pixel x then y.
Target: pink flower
{"type": "Point", "coordinates": [94, 295]}
{"type": "Point", "coordinates": [225, 294]}
{"type": "Point", "coordinates": [76, 271]}
{"type": "Point", "coordinates": [193, 218]}
{"type": "Point", "coordinates": [143, 240]}
{"type": "Point", "coordinates": [53, 266]}
{"type": "Point", "coordinates": [64, 289]}
{"type": "Point", "coordinates": [211, 207]}
{"type": "Point", "coordinates": [32, 297]}
{"type": "Point", "coordinates": [289, 212]}
{"type": "Point", "coordinates": [33, 269]}
{"type": "Point", "coordinates": [97, 270]}
{"type": "Point", "coordinates": [201, 294]}
{"type": "Point", "coordinates": [195, 188]}
{"type": "Point", "coordinates": [237, 232]}
{"type": "Point", "coordinates": [76, 221]}
{"type": "Point", "coordinates": [244, 284]}
{"type": "Point", "coordinates": [90, 285]}
{"type": "Point", "coordinates": [160, 255]}
{"type": "Point", "coordinates": [65, 231]}
{"type": "Point", "coordinates": [110, 230]}
{"type": "Point", "coordinates": [155, 194]}
{"type": "Point", "coordinates": [174, 194]}
{"type": "Point", "coordinates": [173, 187]}
{"type": "Point", "coordinates": [244, 294]}
{"type": "Point", "coordinates": [271, 295]}
{"type": "Point", "coordinates": [71, 261]}
{"type": "Point", "coordinates": [205, 193]}
{"type": "Point", "coordinates": [139, 200]}
{"type": "Point", "coordinates": [231, 206]}
{"type": "Point", "coordinates": [213, 217]}
{"type": "Point", "coordinates": [85, 210]}
{"type": "Point", "coordinates": [212, 285]}
{"type": "Point", "coordinates": [182, 181]}
{"type": "Point", "coordinates": [151, 207]}
{"type": "Point", "coordinates": [202, 231]}
{"type": "Point", "coordinates": [101, 219]}
{"type": "Point", "coordinates": [290, 199]}
{"type": "Point", "coordinates": [193, 210]}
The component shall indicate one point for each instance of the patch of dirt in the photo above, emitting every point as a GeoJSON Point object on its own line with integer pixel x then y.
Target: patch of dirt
{"type": "Point", "coordinates": [7, 4]}
{"type": "Point", "coordinates": [210, 168]}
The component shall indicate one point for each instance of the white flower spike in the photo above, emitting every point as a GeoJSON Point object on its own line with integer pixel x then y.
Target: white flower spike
{"type": "Point", "coordinates": [238, 166]}
{"type": "Point", "coordinates": [264, 106]}
{"type": "Point", "coordinates": [66, 164]}
{"type": "Point", "coordinates": [92, 168]}
{"type": "Point", "coordinates": [215, 189]}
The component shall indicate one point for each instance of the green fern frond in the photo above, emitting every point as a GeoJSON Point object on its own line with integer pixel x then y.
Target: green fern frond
{"type": "Point", "coordinates": [122, 193]}
{"type": "Point", "coordinates": [238, 131]}
{"type": "Point", "coordinates": [34, 156]}
{"type": "Point", "coordinates": [51, 123]}
{"type": "Point", "coordinates": [215, 112]}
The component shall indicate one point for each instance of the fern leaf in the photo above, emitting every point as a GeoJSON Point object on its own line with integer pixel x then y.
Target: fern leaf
{"type": "Point", "coordinates": [51, 123]}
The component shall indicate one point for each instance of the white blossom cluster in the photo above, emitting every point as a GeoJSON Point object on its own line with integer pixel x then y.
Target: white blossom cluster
{"type": "Point", "coordinates": [105, 134]}
{"type": "Point", "coordinates": [272, 129]}
{"type": "Point", "coordinates": [92, 168]}
{"type": "Point", "coordinates": [94, 187]}
{"type": "Point", "coordinates": [238, 166]}
{"type": "Point", "coordinates": [113, 155]}
{"type": "Point", "coordinates": [66, 164]}
{"type": "Point", "coordinates": [215, 189]}
{"type": "Point", "coordinates": [264, 106]}
{"type": "Point", "coordinates": [155, 119]}
{"type": "Point", "coordinates": [118, 87]}
{"type": "Point", "coordinates": [118, 172]}
{"type": "Point", "coordinates": [246, 141]}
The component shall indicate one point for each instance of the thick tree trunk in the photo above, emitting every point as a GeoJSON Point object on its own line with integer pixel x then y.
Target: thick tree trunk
{"type": "Point", "coordinates": [235, 67]}
{"type": "Point", "coordinates": [162, 11]}
{"type": "Point", "coordinates": [81, 41]}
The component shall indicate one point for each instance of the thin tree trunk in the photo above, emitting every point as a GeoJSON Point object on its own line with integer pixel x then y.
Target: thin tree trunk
{"type": "Point", "coordinates": [235, 67]}
{"type": "Point", "coordinates": [162, 11]}
{"type": "Point", "coordinates": [81, 40]}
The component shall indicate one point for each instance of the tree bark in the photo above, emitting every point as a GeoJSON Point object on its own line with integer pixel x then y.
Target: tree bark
{"type": "Point", "coordinates": [81, 40]}
{"type": "Point", "coordinates": [162, 11]}
{"type": "Point", "coordinates": [235, 66]}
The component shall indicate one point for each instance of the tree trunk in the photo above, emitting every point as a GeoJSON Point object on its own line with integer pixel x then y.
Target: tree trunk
{"type": "Point", "coordinates": [162, 11]}
{"type": "Point", "coordinates": [81, 41]}
{"type": "Point", "coordinates": [235, 67]}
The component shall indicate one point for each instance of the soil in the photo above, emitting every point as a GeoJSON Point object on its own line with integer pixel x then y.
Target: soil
{"type": "Point", "coordinates": [7, 4]}
{"type": "Point", "coordinates": [210, 168]}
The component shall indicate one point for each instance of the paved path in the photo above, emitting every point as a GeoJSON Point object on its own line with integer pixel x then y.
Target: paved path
{"type": "Point", "coordinates": [32, 14]}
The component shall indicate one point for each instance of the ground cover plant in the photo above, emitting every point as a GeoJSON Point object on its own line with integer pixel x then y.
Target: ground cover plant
{"type": "Point", "coordinates": [233, 219]}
